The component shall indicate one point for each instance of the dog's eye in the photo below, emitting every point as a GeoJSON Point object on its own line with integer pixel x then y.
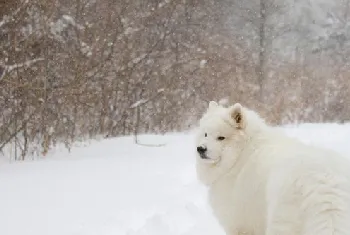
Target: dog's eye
{"type": "Point", "coordinates": [221, 138]}
{"type": "Point", "coordinates": [205, 135]}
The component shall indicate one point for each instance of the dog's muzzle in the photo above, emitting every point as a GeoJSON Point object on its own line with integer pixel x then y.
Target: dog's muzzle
{"type": "Point", "coordinates": [202, 152]}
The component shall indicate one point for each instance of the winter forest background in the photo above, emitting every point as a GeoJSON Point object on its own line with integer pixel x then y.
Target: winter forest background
{"type": "Point", "coordinates": [77, 69]}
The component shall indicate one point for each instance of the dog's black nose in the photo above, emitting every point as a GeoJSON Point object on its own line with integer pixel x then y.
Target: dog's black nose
{"type": "Point", "coordinates": [201, 149]}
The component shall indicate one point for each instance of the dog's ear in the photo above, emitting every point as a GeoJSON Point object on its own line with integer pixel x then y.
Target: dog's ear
{"type": "Point", "coordinates": [212, 105]}
{"type": "Point", "coordinates": [237, 115]}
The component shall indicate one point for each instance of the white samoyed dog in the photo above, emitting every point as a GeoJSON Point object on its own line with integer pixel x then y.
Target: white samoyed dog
{"type": "Point", "coordinates": [262, 182]}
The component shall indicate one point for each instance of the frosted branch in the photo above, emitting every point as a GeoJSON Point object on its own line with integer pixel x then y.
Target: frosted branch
{"type": "Point", "coordinates": [145, 101]}
{"type": "Point", "coordinates": [9, 68]}
{"type": "Point", "coordinates": [26, 64]}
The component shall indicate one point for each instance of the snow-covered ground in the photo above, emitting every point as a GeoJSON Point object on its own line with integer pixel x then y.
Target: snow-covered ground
{"type": "Point", "coordinates": [116, 187]}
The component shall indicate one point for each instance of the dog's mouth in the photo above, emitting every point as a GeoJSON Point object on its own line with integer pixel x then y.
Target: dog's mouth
{"type": "Point", "coordinates": [203, 156]}
{"type": "Point", "coordinates": [209, 160]}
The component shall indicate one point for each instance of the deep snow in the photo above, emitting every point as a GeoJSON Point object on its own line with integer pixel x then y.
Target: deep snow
{"type": "Point", "coordinates": [116, 187]}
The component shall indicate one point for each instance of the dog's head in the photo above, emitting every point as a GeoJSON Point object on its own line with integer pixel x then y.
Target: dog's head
{"type": "Point", "coordinates": [220, 138]}
{"type": "Point", "coordinates": [220, 129]}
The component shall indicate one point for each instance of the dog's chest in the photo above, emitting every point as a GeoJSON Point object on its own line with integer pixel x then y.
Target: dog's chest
{"type": "Point", "coordinates": [238, 206]}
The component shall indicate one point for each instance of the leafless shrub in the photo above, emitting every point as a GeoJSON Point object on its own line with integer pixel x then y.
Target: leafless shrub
{"type": "Point", "coordinates": [71, 70]}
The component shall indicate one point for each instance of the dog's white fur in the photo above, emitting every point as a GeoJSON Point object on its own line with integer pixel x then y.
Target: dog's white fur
{"type": "Point", "coordinates": [263, 182]}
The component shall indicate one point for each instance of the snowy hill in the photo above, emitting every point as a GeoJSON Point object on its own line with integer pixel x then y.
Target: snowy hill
{"type": "Point", "coordinates": [116, 187]}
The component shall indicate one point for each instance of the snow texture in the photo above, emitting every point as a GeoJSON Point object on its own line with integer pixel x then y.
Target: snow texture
{"type": "Point", "coordinates": [116, 187]}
